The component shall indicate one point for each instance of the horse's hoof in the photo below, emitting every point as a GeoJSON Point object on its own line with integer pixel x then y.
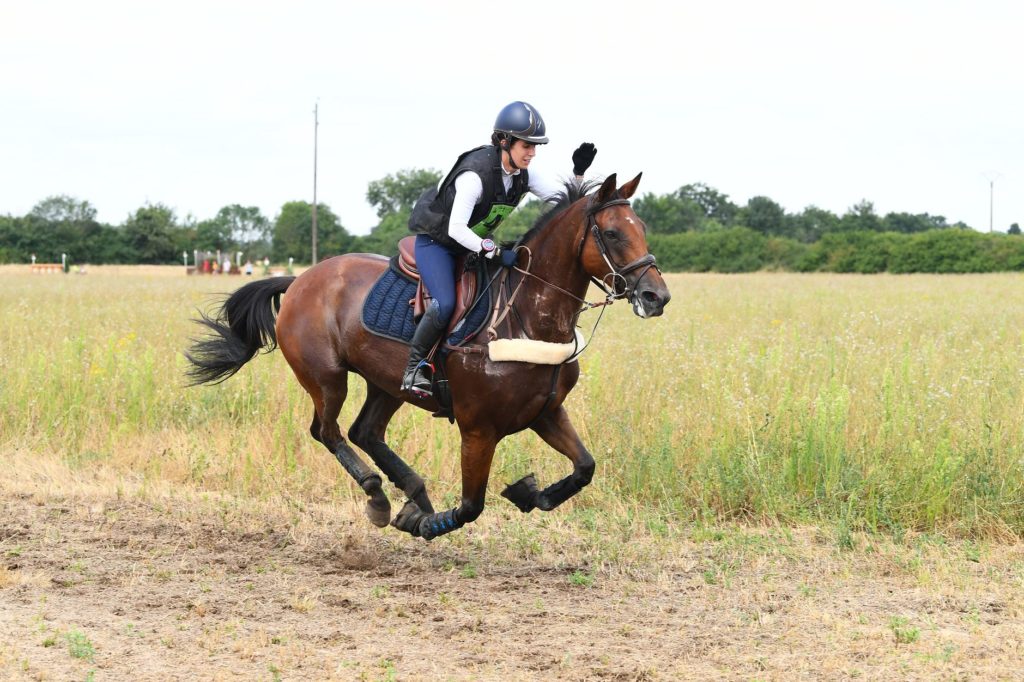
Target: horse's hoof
{"type": "Point", "coordinates": [379, 513]}
{"type": "Point", "coordinates": [522, 493]}
{"type": "Point", "coordinates": [409, 518]}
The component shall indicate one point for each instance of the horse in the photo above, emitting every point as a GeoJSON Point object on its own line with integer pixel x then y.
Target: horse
{"type": "Point", "coordinates": [586, 236]}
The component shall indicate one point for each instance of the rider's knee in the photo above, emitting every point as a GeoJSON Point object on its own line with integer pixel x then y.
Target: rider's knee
{"type": "Point", "coordinates": [445, 310]}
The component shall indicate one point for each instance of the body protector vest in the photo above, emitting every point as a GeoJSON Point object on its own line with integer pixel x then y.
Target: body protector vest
{"type": "Point", "coordinates": [433, 209]}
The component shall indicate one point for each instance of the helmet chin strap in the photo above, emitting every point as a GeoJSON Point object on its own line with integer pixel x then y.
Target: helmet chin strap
{"type": "Point", "coordinates": [507, 147]}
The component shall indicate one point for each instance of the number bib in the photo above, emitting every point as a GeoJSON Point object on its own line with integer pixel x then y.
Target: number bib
{"type": "Point", "coordinates": [493, 219]}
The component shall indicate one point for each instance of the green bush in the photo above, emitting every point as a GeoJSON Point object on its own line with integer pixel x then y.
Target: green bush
{"type": "Point", "coordinates": [861, 251]}
{"type": "Point", "coordinates": [958, 251]}
{"type": "Point", "coordinates": [736, 249]}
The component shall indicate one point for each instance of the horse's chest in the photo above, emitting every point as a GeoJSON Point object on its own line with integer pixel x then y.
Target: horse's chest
{"type": "Point", "coordinates": [509, 393]}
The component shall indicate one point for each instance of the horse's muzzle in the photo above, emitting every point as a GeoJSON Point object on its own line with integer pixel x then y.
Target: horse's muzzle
{"type": "Point", "coordinates": [650, 299]}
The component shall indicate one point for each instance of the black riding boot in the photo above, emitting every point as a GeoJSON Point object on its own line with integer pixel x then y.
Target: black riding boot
{"type": "Point", "coordinates": [416, 379]}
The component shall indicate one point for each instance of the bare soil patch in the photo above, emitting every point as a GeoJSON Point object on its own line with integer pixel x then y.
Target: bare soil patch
{"type": "Point", "coordinates": [113, 587]}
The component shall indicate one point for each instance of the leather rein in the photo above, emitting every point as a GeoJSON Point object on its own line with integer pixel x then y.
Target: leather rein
{"type": "Point", "coordinates": [609, 284]}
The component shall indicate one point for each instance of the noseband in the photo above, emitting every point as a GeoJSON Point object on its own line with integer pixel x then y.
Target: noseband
{"type": "Point", "coordinates": [616, 274]}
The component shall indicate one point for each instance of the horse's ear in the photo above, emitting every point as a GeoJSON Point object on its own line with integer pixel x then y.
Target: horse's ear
{"type": "Point", "coordinates": [607, 189]}
{"type": "Point", "coordinates": [627, 190]}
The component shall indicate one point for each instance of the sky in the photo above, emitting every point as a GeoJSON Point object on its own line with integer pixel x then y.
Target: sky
{"type": "Point", "coordinates": [914, 106]}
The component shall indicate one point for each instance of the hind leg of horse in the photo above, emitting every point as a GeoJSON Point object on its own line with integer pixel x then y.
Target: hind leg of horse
{"type": "Point", "coordinates": [368, 433]}
{"type": "Point", "coordinates": [314, 427]}
{"type": "Point", "coordinates": [477, 453]}
{"type": "Point", "coordinates": [332, 396]}
{"type": "Point", "coordinates": [558, 432]}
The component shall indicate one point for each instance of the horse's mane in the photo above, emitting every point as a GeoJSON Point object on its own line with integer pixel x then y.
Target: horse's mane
{"type": "Point", "coordinates": [573, 191]}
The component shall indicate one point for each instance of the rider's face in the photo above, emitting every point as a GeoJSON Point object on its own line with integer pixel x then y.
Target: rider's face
{"type": "Point", "coordinates": [522, 153]}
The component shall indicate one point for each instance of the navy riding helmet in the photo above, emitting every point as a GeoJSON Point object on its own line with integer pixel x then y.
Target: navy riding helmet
{"type": "Point", "coordinates": [521, 121]}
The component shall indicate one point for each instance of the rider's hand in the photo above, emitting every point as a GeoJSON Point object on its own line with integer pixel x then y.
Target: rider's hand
{"type": "Point", "coordinates": [583, 157]}
{"type": "Point", "coordinates": [488, 249]}
{"type": "Point", "coordinates": [508, 257]}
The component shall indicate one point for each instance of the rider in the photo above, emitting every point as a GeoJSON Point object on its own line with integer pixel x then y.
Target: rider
{"type": "Point", "coordinates": [462, 213]}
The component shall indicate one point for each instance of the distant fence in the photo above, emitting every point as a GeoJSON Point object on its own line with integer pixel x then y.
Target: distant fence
{"type": "Point", "coordinates": [46, 268]}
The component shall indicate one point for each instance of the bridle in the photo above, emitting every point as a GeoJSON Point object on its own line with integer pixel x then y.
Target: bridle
{"type": "Point", "coordinates": [609, 284]}
{"type": "Point", "coordinates": [616, 275]}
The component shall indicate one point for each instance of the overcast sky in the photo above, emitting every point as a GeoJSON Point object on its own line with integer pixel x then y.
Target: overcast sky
{"type": "Point", "coordinates": [911, 105]}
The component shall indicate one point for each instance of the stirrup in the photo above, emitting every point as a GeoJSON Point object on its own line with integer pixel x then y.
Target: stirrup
{"type": "Point", "coordinates": [415, 380]}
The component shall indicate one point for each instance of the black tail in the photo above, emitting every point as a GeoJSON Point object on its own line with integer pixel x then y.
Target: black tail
{"type": "Point", "coordinates": [243, 326]}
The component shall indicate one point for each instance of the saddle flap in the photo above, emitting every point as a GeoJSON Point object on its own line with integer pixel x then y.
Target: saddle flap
{"type": "Point", "coordinates": [419, 300]}
{"type": "Point", "coordinates": [465, 291]}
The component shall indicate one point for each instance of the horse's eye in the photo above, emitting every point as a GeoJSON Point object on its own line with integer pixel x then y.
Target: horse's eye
{"type": "Point", "coordinates": [613, 235]}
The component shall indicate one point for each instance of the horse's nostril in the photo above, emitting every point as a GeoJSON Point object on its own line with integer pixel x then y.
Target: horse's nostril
{"type": "Point", "coordinates": [649, 296]}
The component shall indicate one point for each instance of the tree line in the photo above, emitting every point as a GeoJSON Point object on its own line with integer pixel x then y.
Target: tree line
{"type": "Point", "coordinates": [695, 228]}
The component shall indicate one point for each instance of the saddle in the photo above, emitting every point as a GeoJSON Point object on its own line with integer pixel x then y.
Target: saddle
{"type": "Point", "coordinates": [466, 283]}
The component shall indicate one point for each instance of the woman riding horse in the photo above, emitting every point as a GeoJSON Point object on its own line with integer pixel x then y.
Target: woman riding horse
{"type": "Point", "coordinates": [588, 236]}
{"type": "Point", "coordinates": [463, 212]}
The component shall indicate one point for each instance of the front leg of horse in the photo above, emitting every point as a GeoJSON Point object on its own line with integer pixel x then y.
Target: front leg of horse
{"type": "Point", "coordinates": [477, 453]}
{"type": "Point", "coordinates": [558, 432]}
{"type": "Point", "coordinates": [527, 495]}
{"type": "Point", "coordinates": [421, 524]}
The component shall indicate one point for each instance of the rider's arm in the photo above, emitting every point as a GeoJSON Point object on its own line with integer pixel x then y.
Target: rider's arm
{"type": "Point", "coordinates": [468, 190]}
{"type": "Point", "coordinates": [544, 187]}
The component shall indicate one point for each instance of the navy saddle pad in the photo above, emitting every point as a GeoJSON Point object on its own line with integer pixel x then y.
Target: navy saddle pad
{"type": "Point", "coordinates": [387, 313]}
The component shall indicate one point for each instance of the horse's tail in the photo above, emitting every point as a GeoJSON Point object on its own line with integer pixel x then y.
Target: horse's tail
{"type": "Point", "coordinates": [241, 328]}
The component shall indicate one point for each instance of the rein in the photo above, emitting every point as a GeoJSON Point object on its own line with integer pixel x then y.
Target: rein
{"type": "Point", "coordinates": [616, 274]}
{"type": "Point", "coordinates": [497, 317]}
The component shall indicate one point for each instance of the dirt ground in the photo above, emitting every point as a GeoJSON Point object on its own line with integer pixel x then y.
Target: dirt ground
{"type": "Point", "coordinates": [124, 587]}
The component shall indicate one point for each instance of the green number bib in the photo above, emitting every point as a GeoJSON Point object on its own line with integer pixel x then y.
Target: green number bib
{"type": "Point", "coordinates": [489, 224]}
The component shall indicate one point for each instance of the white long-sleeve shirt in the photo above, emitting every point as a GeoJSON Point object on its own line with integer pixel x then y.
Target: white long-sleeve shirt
{"type": "Point", "coordinates": [468, 191]}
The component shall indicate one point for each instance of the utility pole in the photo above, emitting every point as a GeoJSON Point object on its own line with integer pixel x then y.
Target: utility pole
{"type": "Point", "coordinates": [991, 177]}
{"type": "Point", "coordinates": [991, 203]}
{"type": "Point", "coordinates": [316, 125]}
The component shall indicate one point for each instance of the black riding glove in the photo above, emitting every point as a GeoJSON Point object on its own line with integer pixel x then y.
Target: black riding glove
{"type": "Point", "coordinates": [583, 157]}
{"type": "Point", "coordinates": [508, 257]}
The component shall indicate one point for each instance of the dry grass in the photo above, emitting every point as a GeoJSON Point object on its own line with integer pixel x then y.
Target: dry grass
{"type": "Point", "coordinates": [885, 404]}
{"type": "Point", "coordinates": [799, 477]}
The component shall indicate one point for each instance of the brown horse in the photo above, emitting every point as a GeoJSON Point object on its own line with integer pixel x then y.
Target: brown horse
{"type": "Point", "coordinates": [318, 328]}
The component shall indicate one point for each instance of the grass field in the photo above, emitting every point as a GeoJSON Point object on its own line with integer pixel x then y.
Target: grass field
{"type": "Point", "coordinates": [869, 403]}
{"type": "Point", "coordinates": [809, 475]}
